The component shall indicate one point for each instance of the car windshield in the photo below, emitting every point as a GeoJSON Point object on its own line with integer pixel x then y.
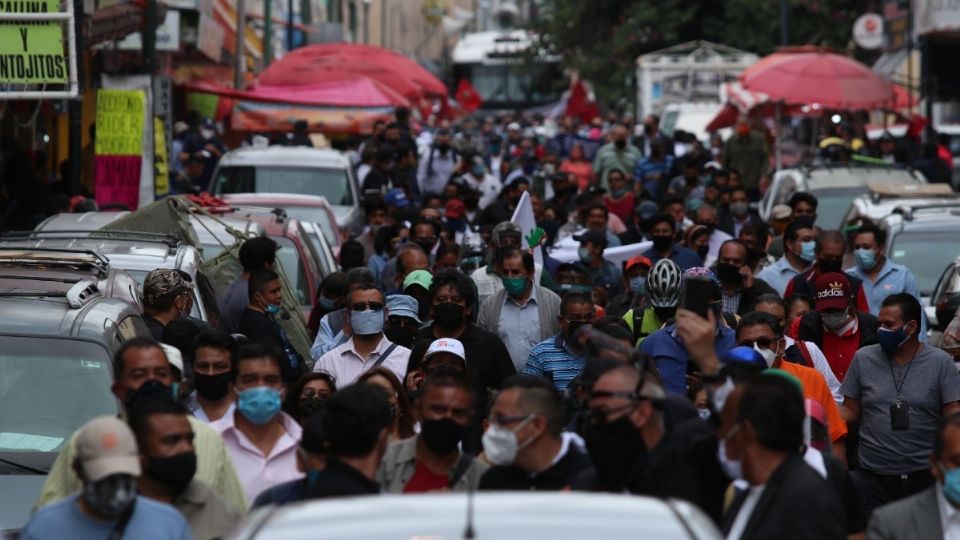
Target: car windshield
{"type": "Point", "coordinates": [334, 184]}
{"type": "Point", "coordinates": [832, 205]}
{"type": "Point", "coordinates": [48, 388]}
{"type": "Point", "coordinates": [293, 267]}
{"type": "Point", "coordinates": [926, 254]}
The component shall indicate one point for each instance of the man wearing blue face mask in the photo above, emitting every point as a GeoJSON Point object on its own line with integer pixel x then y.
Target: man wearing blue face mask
{"type": "Point", "coordinates": [260, 438]}
{"type": "Point", "coordinates": [899, 390]}
{"type": "Point", "coordinates": [932, 512]}
{"type": "Point", "coordinates": [799, 252]}
{"type": "Point", "coordinates": [367, 347]}
{"type": "Point", "coordinates": [259, 321]}
{"type": "Point", "coordinates": [635, 288]}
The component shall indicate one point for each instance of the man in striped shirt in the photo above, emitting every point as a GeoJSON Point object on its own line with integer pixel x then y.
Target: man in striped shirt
{"type": "Point", "coordinates": [554, 358]}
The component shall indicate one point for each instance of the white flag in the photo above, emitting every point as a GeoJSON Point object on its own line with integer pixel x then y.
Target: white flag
{"type": "Point", "coordinates": [523, 217]}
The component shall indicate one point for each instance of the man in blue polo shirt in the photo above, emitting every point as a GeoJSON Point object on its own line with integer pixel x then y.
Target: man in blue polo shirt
{"type": "Point", "coordinates": [882, 277]}
{"type": "Point", "coordinates": [668, 350]}
{"type": "Point", "coordinates": [557, 358]}
{"type": "Point", "coordinates": [663, 231]}
{"type": "Point", "coordinates": [799, 252]}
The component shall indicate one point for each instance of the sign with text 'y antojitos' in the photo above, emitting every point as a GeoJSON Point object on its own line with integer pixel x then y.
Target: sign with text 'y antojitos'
{"type": "Point", "coordinates": [31, 51]}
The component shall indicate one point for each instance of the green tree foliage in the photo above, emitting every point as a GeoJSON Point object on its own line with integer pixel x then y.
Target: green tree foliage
{"type": "Point", "coordinates": [601, 39]}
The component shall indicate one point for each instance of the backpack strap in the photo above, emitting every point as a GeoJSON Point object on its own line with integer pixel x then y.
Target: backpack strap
{"type": "Point", "coordinates": [462, 465]}
{"type": "Point", "coordinates": [805, 352]}
{"type": "Point", "coordinates": [383, 357]}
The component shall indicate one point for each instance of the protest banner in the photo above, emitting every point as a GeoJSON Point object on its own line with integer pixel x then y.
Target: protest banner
{"type": "Point", "coordinates": [118, 146]}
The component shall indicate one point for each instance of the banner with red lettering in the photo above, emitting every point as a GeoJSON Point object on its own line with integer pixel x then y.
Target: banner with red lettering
{"type": "Point", "coordinates": [119, 147]}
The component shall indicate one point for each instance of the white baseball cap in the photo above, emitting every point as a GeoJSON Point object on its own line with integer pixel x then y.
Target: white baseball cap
{"type": "Point", "coordinates": [446, 345]}
{"type": "Point", "coordinates": [174, 358]}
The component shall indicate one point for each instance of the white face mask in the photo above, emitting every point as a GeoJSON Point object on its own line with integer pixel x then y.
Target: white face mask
{"type": "Point", "coordinates": [767, 354]}
{"type": "Point", "coordinates": [733, 468]}
{"type": "Point", "coordinates": [500, 444]}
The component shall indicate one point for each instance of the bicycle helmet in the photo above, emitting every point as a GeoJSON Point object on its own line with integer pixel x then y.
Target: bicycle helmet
{"type": "Point", "coordinates": [663, 284]}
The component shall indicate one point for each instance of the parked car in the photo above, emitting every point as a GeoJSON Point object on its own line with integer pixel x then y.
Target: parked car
{"type": "Point", "coordinates": [64, 327]}
{"type": "Point", "coordinates": [882, 199]}
{"type": "Point", "coordinates": [297, 171]}
{"type": "Point", "coordinates": [925, 239]}
{"type": "Point", "coordinates": [496, 515]}
{"type": "Point", "coordinates": [136, 252]}
{"type": "Point", "coordinates": [834, 186]}
{"type": "Point", "coordinates": [946, 295]}
{"type": "Point", "coordinates": [296, 255]}
{"type": "Point", "coordinates": [82, 221]}
{"type": "Point", "coordinates": [306, 208]}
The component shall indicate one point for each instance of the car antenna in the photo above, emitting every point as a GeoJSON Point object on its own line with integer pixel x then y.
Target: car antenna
{"type": "Point", "coordinates": [468, 533]}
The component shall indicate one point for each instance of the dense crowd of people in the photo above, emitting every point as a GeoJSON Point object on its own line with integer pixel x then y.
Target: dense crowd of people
{"type": "Point", "coordinates": [739, 364]}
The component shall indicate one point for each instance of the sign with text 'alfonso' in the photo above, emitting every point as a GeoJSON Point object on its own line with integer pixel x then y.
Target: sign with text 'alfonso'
{"type": "Point", "coordinates": [118, 148]}
{"type": "Point", "coordinates": [31, 52]}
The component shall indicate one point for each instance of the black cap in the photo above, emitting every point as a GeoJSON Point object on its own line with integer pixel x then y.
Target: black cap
{"type": "Point", "coordinates": [594, 236]}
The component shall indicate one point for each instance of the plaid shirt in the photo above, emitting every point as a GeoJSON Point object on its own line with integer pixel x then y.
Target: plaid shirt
{"type": "Point", "coordinates": [731, 303]}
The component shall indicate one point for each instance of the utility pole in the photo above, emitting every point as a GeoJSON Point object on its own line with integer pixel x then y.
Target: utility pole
{"type": "Point", "coordinates": [784, 23]}
{"type": "Point", "coordinates": [239, 53]}
{"type": "Point", "coordinates": [267, 32]}
{"type": "Point", "coordinates": [383, 23]}
{"type": "Point", "coordinates": [289, 25]}
{"type": "Point", "coordinates": [366, 22]}
{"type": "Point", "coordinates": [75, 107]}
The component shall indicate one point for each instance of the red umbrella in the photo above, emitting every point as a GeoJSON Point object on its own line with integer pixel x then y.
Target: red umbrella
{"type": "Point", "coordinates": [351, 93]}
{"type": "Point", "coordinates": [317, 63]}
{"type": "Point", "coordinates": [814, 76]}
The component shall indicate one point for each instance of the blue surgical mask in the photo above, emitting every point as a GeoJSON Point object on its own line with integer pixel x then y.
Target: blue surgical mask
{"type": "Point", "coordinates": [327, 304]}
{"type": "Point", "coordinates": [866, 258]}
{"type": "Point", "coordinates": [951, 483]}
{"type": "Point", "coordinates": [617, 193]}
{"type": "Point", "coordinates": [573, 287]}
{"type": "Point", "coordinates": [259, 404]}
{"type": "Point", "coordinates": [366, 323]}
{"type": "Point", "coordinates": [271, 309]}
{"type": "Point", "coordinates": [638, 285]}
{"type": "Point", "coordinates": [584, 254]}
{"type": "Point", "coordinates": [807, 250]}
{"type": "Point", "coordinates": [891, 340]}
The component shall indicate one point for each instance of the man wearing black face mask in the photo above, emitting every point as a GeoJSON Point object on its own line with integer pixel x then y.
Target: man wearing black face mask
{"type": "Point", "coordinates": [403, 322]}
{"type": "Point", "coordinates": [169, 462]}
{"type": "Point", "coordinates": [141, 371]}
{"type": "Point", "coordinates": [662, 232]}
{"type": "Point", "coordinates": [453, 302]}
{"type": "Point", "coordinates": [213, 360]}
{"type": "Point", "coordinates": [739, 289]}
{"type": "Point", "coordinates": [107, 504]}
{"type": "Point", "coordinates": [432, 460]}
{"type": "Point", "coordinates": [633, 450]}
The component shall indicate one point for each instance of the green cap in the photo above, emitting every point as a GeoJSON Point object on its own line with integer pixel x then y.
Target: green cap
{"type": "Point", "coordinates": [422, 278]}
{"type": "Point", "coordinates": [776, 372]}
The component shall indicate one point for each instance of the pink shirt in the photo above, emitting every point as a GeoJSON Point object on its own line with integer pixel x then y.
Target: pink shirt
{"type": "Point", "coordinates": [256, 471]}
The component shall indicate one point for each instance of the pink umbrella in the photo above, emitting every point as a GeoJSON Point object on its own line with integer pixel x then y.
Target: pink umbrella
{"type": "Point", "coordinates": [816, 77]}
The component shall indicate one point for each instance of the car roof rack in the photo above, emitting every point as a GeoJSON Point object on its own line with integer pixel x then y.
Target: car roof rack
{"type": "Point", "coordinates": [33, 256]}
{"type": "Point", "coordinates": [77, 296]}
{"type": "Point", "coordinates": [880, 190]}
{"type": "Point", "coordinates": [170, 240]}
{"type": "Point", "coordinates": [909, 211]}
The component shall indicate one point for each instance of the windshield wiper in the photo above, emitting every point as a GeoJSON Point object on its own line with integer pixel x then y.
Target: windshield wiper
{"type": "Point", "coordinates": [28, 468]}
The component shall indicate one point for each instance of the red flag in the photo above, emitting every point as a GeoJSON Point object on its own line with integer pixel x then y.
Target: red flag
{"type": "Point", "coordinates": [579, 103]}
{"type": "Point", "coordinates": [467, 96]}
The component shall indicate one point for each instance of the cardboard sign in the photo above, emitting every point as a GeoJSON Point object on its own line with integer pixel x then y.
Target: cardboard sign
{"type": "Point", "coordinates": [32, 51]}
{"type": "Point", "coordinates": [118, 180]}
{"type": "Point", "coordinates": [161, 167]}
{"type": "Point", "coordinates": [120, 116]}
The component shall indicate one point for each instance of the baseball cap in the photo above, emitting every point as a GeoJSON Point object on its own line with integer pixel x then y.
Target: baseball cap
{"type": "Point", "coordinates": [831, 291]}
{"type": "Point", "coordinates": [593, 236]}
{"type": "Point", "coordinates": [639, 259]}
{"type": "Point", "coordinates": [106, 446]}
{"type": "Point", "coordinates": [744, 356]}
{"type": "Point", "coordinates": [781, 211]}
{"type": "Point", "coordinates": [396, 197]}
{"type": "Point", "coordinates": [422, 278]}
{"type": "Point", "coordinates": [712, 165]}
{"type": "Point", "coordinates": [454, 209]}
{"type": "Point", "coordinates": [646, 209]}
{"type": "Point", "coordinates": [403, 305]}
{"type": "Point", "coordinates": [163, 282]}
{"type": "Point", "coordinates": [513, 126]}
{"type": "Point", "coordinates": [446, 345]}
{"type": "Point", "coordinates": [174, 358]}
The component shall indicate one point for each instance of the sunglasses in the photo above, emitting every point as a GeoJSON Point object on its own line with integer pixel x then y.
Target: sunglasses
{"type": "Point", "coordinates": [763, 342]}
{"type": "Point", "coordinates": [364, 306]}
